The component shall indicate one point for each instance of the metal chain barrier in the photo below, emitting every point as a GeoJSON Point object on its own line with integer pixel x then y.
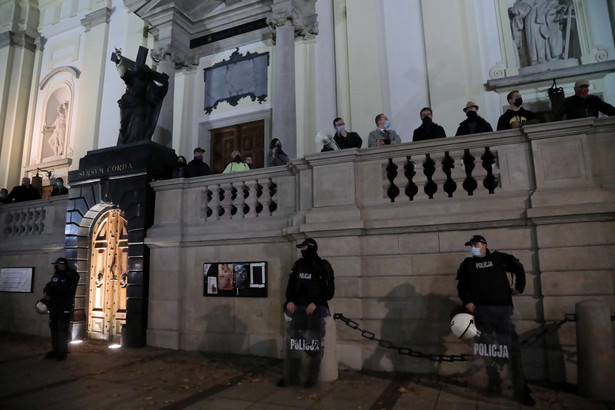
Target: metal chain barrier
{"type": "Point", "coordinates": [402, 349]}
{"type": "Point", "coordinates": [550, 328]}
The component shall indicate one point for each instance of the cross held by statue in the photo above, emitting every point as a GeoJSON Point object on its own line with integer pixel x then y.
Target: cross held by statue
{"type": "Point", "coordinates": [139, 63]}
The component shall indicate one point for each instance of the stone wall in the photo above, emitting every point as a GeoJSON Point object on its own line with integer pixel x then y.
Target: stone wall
{"type": "Point", "coordinates": [395, 258]}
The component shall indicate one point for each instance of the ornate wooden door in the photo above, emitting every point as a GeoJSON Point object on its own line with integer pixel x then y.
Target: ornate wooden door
{"type": "Point", "coordinates": [248, 138]}
{"type": "Point", "coordinates": [108, 277]}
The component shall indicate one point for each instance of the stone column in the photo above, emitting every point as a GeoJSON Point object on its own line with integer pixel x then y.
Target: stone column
{"type": "Point", "coordinates": [289, 18]}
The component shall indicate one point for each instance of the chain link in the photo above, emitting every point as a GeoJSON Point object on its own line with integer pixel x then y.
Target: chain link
{"type": "Point", "coordinates": [402, 349]}
{"type": "Point", "coordinates": [550, 328]}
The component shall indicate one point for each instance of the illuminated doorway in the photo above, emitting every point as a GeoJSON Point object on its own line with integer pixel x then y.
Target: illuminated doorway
{"type": "Point", "coordinates": [108, 277]}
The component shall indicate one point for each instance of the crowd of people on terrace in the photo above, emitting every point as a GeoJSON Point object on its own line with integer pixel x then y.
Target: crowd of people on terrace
{"type": "Point", "coordinates": [580, 105]}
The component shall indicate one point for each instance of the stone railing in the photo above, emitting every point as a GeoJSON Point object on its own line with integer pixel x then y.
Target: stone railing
{"type": "Point", "coordinates": [35, 220]}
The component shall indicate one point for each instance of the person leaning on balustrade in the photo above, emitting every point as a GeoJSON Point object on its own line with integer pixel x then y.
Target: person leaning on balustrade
{"type": "Point", "coordinates": [276, 156]}
{"type": "Point", "coordinates": [345, 138]}
{"type": "Point", "coordinates": [582, 105]}
{"type": "Point", "coordinates": [23, 192]}
{"type": "Point", "coordinates": [474, 123]}
{"type": "Point", "coordinates": [428, 130]}
{"type": "Point", "coordinates": [382, 135]}
{"type": "Point", "coordinates": [4, 193]}
{"type": "Point", "coordinates": [515, 116]}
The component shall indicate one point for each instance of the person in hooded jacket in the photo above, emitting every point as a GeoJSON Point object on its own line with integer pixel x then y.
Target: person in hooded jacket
{"type": "Point", "coordinates": [474, 123]}
{"type": "Point", "coordinates": [428, 130]}
{"type": "Point", "coordinates": [60, 298]}
{"type": "Point", "coordinates": [311, 284]}
{"type": "Point", "coordinates": [236, 164]}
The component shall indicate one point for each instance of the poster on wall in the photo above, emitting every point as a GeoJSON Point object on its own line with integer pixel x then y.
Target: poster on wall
{"type": "Point", "coordinates": [235, 279]}
{"type": "Point", "coordinates": [16, 280]}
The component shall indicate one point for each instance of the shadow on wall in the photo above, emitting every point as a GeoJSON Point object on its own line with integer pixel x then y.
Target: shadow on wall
{"type": "Point", "coordinates": [420, 322]}
{"type": "Point", "coordinates": [223, 331]}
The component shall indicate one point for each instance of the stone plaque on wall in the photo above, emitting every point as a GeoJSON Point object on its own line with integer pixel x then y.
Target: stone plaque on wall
{"type": "Point", "coordinates": [238, 77]}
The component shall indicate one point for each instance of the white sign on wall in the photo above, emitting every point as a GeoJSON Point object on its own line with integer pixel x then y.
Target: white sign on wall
{"type": "Point", "coordinates": [16, 280]}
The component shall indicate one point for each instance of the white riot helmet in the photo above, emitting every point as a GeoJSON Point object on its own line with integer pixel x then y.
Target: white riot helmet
{"type": "Point", "coordinates": [463, 326]}
{"type": "Point", "coordinates": [41, 307]}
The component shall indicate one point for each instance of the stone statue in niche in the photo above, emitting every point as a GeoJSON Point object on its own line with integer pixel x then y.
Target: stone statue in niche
{"type": "Point", "coordinates": [58, 130]}
{"type": "Point", "coordinates": [141, 103]}
{"type": "Point", "coordinates": [544, 32]}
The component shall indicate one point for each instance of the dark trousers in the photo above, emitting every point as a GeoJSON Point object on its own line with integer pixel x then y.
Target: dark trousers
{"type": "Point", "coordinates": [496, 327]}
{"type": "Point", "coordinates": [304, 339]}
{"type": "Point", "coordinates": [59, 324]}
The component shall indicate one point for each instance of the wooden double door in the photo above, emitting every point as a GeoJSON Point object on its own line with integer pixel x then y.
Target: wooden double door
{"type": "Point", "coordinates": [108, 277]}
{"type": "Point", "coordinates": [247, 138]}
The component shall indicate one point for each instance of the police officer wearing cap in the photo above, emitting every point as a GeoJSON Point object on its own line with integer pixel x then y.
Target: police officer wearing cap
{"type": "Point", "coordinates": [485, 291]}
{"type": "Point", "coordinates": [311, 284]}
{"type": "Point", "coordinates": [582, 105]}
{"type": "Point", "coordinates": [59, 298]}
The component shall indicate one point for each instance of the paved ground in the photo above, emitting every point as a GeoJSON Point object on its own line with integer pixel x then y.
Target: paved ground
{"type": "Point", "coordinates": [96, 377]}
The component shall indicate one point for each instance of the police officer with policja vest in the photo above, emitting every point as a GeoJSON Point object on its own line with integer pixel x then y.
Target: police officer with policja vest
{"type": "Point", "coordinates": [311, 284]}
{"type": "Point", "coordinates": [486, 292]}
{"type": "Point", "coordinates": [59, 298]}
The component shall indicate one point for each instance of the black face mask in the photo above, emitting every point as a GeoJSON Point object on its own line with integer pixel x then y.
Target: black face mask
{"type": "Point", "coordinates": [471, 114]}
{"type": "Point", "coordinates": [237, 158]}
{"type": "Point", "coordinates": [518, 102]}
{"type": "Point", "coordinates": [427, 120]}
{"type": "Point", "coordinates": [180, 163]}
{"type": "Point", "coordinates": [309, 253]}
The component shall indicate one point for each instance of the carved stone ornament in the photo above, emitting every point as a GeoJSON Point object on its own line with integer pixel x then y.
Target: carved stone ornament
{"type": "Point", "coordinates": [179, 59]}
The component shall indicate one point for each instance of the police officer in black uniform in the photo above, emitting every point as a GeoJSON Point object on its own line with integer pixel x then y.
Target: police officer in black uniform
{"type": "Point", "coordinates": [59, 298]}
{"type": "Point", "coordinates": [485, 291]}
{"type": "Point", "coordinates": [311, 284]}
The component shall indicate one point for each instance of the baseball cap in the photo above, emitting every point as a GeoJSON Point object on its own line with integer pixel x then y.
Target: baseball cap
{"type": "Point", "coordinates": [476, 239]}
{"type": "Point", "coordinates": [60, 260]}
{"type": "Point", "coordinates": [199, 149]}
{"type": "Point", "coordinates": [308, 242]}
{"type": "Point", "coordinates": [580, 83]}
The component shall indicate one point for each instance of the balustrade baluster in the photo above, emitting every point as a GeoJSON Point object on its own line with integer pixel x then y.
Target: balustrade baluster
{"type": "Point", "coordinates": [251, 201]}
{"type": "Point", "coordinates": [226, 202]}
{"type": "Point", "coordinates": [239, 200]}
{"type": "Point", "coordinates": [392, 190]}
{"type": "Point", "coordinates": [429, 168]}
{"type": "Point", "coordinates": [490, 182]}
{"type": "Point", "coordinates": [469, 183]}
{"type": "Point", "coordinates": [448, 164]}
{"type": "Point", "coordinates": [214, 203]}
{"type": "Point", "coordinates": [409, 172]}
{"type": "Point", "coordinates": [265, 197]}
{"type": "Point", "coordinates": [273, 194]}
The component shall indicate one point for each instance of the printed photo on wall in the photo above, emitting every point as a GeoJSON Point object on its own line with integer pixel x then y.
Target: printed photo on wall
{"type": "Point", "coordinates": [243, 279]}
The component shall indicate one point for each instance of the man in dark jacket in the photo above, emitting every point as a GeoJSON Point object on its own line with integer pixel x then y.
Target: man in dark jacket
{"type": "Point", "coordinates": [474, 123]}
{"type": "Point", "coordinates": [60, 298]}
{"type": "Point", "coordinates": [582, 105]}
{"type": "Point", "coordinates": [23, 192]}
{"type": "Point", "coordinates": [485, 292]}
{"type": "Point", "coordinates": [197, 167]}
{"type": "Point", "coordinates": [310, 285]}
{"type": "Point", "coordinates": [344, 138]}
{"type": "Point", "coordinates": [515, 116]}
{"type": "Point", "coordinates": [429, 129]}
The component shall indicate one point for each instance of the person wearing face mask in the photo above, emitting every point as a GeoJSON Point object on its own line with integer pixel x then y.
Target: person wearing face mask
{"type": "Point", "coordinates": [382, 135]}
{"type": "Point", "coordinates": [344, 138]}
{"type": "Point", "coordinates": [515, 116]}
{"type": "Point", "coordinates": [474, 123]}
{"type": "Point", "coordinates": [428, 130]}
{"type": "Point", "coordinates": [276, 156]}
{"type": "Point", "coordinates": [485, 292]}
{"type": "Point", "coordinates": [582, 105]}
{"type": "Point", "coordinates": [236, 164]}
{"type": "Point", "coordinates": [311, 284]}
{"type": "Point", "coordinates": [197, 167]}
{"type": "Point", "coordinates": [4, 193]}
{"type": "Point", "coordinates": [60, 299]}
{"type": "Point", "coordinates": [59, 189]}
{"type": "Point", "coordinates": [180, 166]}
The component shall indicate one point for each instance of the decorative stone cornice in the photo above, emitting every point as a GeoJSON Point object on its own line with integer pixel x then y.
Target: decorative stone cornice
{"type": "Point", "coordinates": [97, 17]}
{"type": "Point", "coordinates": [300, 14]}
{"type": "Point", "coordinates": [19, 39]}
{"type": "Point", "coordinates": [74, 71]}
{"type": "Point", "coordinates": [178, 58]}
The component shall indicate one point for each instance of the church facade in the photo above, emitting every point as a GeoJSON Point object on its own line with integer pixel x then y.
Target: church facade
{"type": "Point", "coordinates": [244, 72]}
